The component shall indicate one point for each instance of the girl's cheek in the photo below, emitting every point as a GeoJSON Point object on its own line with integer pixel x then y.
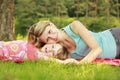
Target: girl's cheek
{"type": "Point", "coordinates": [42, 50]}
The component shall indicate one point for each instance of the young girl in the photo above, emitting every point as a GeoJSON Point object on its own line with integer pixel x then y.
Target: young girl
{"type": "Point", "coordinates": [56, 51]}
{"type": "Point", "coordinates": [78, 40]}
{"type": "Point", "coordinates": [20, 51]}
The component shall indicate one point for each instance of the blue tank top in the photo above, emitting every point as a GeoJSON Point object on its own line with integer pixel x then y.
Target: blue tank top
{"type": "Point", "coordinates": [105, 40]}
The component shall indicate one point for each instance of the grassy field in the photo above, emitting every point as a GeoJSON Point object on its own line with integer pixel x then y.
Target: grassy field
{"type": "Point", "coordinates": [42, 70]}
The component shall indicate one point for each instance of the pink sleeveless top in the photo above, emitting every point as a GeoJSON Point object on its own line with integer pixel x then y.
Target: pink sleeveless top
{"type": "Point", "coordinates": [17, 51]}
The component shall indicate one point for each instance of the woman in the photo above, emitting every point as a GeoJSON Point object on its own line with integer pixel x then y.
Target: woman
{"type": "Point", "coordinates": [78, 40]}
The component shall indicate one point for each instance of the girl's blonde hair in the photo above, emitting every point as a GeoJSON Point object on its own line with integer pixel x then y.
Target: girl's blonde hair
{"type": "Point", "coordinates": [35, 31]}
{"type": "Point", "coordinates": [62, 54]}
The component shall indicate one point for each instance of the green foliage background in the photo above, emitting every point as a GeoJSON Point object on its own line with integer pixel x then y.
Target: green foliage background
{"type": "Point", "coordinates": [96, 15]}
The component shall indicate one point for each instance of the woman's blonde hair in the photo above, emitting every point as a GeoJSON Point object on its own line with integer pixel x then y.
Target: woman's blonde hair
{"type": "Point", "coordinates": [35, 31]}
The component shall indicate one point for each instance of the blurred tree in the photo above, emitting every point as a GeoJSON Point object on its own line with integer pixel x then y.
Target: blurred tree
{"type": "Point", "coordinates": [108, 11]}
{"type": "Point", "coordinates": [69, 4]}
{"type": "Point", "coordinates": [27, 13]}
{"type": "Point", "coordinates": [93, 8]}
{"type": "Point", "coordinates": [7, 20]}
{"type": "Point", "coordinates": [115, 8]}
{"type": "Point", "coordinates": [58, 8]}
{"type": "Point", "coordinates": [118, 9]}
{"type": "Point", "coordinates": [87, 9]}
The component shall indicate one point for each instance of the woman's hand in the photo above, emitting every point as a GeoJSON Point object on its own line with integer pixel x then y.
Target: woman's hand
{"type": "Point", "coordinates": [68, 61]}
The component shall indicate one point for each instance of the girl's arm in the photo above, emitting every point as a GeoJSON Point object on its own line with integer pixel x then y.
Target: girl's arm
{"type": "Point", "coordinates": [96, 50]}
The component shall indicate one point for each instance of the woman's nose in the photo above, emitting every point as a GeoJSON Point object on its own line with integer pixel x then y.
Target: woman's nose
{"type": "Point", "coordinates": [52, 39]}
{"type": "Point", "coordinates": [52, 36]}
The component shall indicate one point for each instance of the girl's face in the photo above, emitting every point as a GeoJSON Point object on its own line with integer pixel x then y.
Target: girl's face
{"type": "Point", "coordinates": [50, 34]}
{"type": "Point", "coordinates": [51, 49]}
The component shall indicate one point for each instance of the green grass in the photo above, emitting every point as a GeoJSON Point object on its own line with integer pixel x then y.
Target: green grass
{"type": "Point", "coordinates": [42, 70]}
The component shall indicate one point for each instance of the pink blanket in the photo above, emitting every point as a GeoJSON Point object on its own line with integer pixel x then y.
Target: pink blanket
{"type": "Point", "coordinates": [110, 61]}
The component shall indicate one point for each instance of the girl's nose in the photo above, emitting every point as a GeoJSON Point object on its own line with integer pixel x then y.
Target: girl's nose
{"type": "Point", "coordinates": [46, 50]}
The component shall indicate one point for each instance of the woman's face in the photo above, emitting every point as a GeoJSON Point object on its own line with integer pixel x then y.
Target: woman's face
{"type": "Point", "coordinates": [51, 49]}
{"type": "Point", "coordinates": [50, 35]}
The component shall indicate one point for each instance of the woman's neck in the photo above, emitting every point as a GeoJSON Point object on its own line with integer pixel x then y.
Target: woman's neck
{"type": "Point", "coordinates": [67, 42]}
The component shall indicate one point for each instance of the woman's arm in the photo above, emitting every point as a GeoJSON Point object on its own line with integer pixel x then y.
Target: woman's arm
{"type": "Point", "coordinates": [96, 50]}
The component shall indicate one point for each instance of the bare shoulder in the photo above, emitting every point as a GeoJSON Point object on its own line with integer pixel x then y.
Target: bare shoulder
{"type": "Point", "coordinates": [77, 26]}
{"type": "Point", "coordinates": [84, 33]}
{"type": "Point", "coordinates": [76, 22]}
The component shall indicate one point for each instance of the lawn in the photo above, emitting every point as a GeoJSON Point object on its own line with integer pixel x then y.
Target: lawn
{"type": "Point", "coordinates": [42, 70]}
